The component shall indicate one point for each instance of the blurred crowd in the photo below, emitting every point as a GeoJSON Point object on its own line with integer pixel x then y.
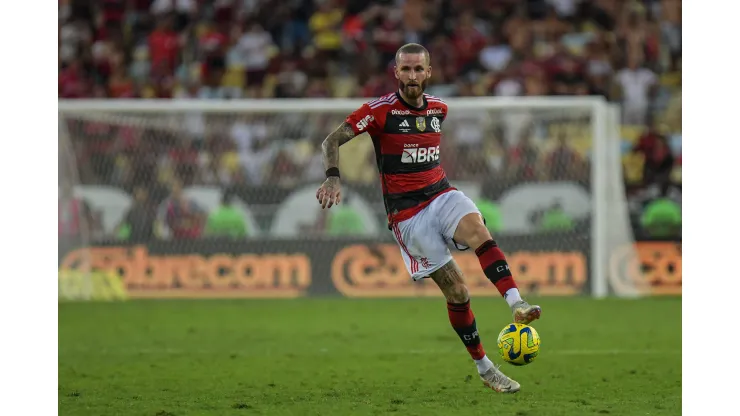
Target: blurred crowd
{"type": "Point", "coordinates": [628, 51]}
{"type": "Point", "coordinates": [624, 50]}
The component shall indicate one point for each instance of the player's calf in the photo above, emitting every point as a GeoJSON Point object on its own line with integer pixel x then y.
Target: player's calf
{"type": "Point", "coordinates": [456, 292]}
{"type": "Point", "coordinates": [450, 280]}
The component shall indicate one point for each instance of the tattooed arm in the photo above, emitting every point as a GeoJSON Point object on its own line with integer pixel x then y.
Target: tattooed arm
{"type": "Point", "coordinates": [330, 146]}
{"type": "Point", "coordinates": [330, 191]}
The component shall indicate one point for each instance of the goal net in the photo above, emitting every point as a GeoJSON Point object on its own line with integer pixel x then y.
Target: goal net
{"type": "Point", "coordinates": [217, 199]}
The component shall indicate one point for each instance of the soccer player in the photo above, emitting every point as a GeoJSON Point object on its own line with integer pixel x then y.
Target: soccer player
{"type": "Point", "coordinates": [424, 212]}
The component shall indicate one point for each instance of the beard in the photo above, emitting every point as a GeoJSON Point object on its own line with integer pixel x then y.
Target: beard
{"type": "Point", "coordinates": [413, 93]}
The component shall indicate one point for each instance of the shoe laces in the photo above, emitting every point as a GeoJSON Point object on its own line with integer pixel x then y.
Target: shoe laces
{"type": "Point", "coordinates": [499, 377]}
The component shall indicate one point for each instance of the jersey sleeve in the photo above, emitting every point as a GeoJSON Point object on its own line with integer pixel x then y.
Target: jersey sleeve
{"type": "Point", "coordinates": [362, 120]}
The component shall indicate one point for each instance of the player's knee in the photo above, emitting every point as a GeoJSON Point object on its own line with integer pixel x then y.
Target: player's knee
{"type": "Point", "coordinates": [472, 231]}
{"type": "Point", "coordinates": [481, 233]}
{"type": "Point", "coordinates": [478, 235]}
{"type": "Point", "coordinates": [457, 293]}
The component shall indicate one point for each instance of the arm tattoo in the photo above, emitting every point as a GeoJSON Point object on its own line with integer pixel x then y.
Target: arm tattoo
{"type": "Point", "coordinates": [448, 276]}
{"type": "Point", "coordinates": [330, 146]}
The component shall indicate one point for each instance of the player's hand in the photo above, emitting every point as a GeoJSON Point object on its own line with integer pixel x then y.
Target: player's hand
{"type": "Point", "coordinates": [330, 192]}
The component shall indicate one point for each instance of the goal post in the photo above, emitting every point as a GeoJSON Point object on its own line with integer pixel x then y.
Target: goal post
{"type": "Point", "coordinates": [548, 168]}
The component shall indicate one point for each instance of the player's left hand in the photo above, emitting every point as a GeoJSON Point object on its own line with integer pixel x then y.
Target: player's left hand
{"type": "Point", "coordinates": [330, 192]}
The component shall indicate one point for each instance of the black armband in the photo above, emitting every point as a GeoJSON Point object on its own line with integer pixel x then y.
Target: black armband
{"type": "Point", "coordinates": [332, 172]}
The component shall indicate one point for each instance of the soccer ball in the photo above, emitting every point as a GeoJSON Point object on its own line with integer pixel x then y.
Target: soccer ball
{"type": "Point", "coordinates": [518, 344]}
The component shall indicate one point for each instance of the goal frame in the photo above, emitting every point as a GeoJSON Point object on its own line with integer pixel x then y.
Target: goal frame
{"type": "Point", "coordinates": [604, 127]}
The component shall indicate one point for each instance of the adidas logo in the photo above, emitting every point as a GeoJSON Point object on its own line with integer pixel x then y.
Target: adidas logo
{"type": "Point", "coordinates": [405, 123]}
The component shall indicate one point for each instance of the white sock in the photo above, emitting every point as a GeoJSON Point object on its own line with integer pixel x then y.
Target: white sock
{"type": "Point", "coordinates": [512, 296]}
{"type": "Point", "coordinates": [483, 364]}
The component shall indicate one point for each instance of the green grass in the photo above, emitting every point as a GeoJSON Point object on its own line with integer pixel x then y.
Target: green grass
{"type": "Point", "coordinates": [361, 357]}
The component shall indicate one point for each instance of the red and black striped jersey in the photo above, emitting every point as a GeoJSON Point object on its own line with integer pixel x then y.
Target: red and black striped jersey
{"type": "Point", "coordinates": [406, 141]}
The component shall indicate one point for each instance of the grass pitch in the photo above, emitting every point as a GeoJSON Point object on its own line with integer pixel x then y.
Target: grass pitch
{"type": "Point", "coordinates": [361, 357]}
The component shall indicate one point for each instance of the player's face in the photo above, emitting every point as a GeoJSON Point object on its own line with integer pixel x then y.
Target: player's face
{"type": "Point", "coordinates": [412, 73]}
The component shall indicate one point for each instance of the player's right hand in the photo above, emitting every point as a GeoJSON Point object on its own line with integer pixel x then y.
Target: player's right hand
{"type": "Point", "coordinates": [329, 193]}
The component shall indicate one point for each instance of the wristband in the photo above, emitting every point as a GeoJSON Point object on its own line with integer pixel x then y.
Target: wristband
{"type": "Point", "coordinates": [332, 172]}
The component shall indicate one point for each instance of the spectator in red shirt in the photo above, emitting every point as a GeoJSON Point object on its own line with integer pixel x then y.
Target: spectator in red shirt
{"type": "Point", "coordinates": [468, 42]}
{"type": "Point", "coordinates": [184, 218]}
{"type": "Point", "coordinates": [646, 142]}
{"type": "Point", "coordinates": [213, 45]}
{"type": "Point", "coordinates": [214, 39]}
{"type": "Point", "coordinates": [164, 47]}
{"type": "Point", "coordinates": [658, 157]}
{"type": "Point", "coordinates": [388, 37]}
{"type": "Point", "coordinates": [72, 81]}
{"type": "Point", "coordinates": [120, 84]}
{"type": "Point", "coordinates": [353, 29]}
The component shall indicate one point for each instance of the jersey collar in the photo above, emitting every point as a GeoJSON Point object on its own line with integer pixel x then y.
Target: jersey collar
{"type": "Point", "coordinates": [423, 106]}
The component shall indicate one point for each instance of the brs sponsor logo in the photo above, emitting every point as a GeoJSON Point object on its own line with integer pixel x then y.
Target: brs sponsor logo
{"type": "Point", "coordinates": [362, 124]}
{"type": "Point", "coordinates": [432, 111]}
{"type": "Point", "coordinates": [400, 112]}
{"type": "Point", "coordinates": [420, 154]}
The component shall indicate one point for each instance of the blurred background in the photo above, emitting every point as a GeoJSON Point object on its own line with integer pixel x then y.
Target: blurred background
{"type": "Point", "coordinates": [200, 182]}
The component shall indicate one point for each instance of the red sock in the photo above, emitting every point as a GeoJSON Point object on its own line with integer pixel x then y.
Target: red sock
{"type": "Point", "coordinates": [463, 322]}
{"type": "Point", "coordinates": [494, 265]}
